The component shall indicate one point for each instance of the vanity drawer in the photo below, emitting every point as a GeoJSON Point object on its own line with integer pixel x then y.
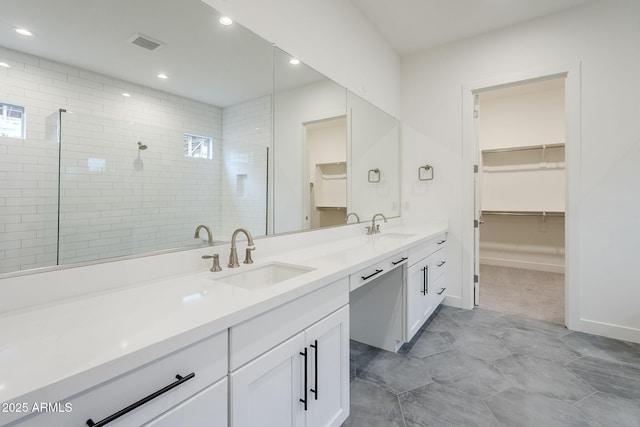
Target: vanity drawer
{"type": "Point", "coordinates": [255, 336]}
{"type": "Point", "coordinates": [439, 289]}
{"type": "Point", "coordinates": [376, 270]}
{"type": "Point", "coordinates": [206, 360]}
{"type": "Point", "coordinates": [420, 252]}
{"type": "Point", "coordinates": [439, 264]}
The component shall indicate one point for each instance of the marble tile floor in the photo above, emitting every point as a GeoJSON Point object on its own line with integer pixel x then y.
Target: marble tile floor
{"type": "Point", "coordinates": [484, 368]}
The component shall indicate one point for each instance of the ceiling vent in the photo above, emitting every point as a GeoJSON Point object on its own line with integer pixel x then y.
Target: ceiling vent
{"type": "Point", "coordinates": [146, 42]}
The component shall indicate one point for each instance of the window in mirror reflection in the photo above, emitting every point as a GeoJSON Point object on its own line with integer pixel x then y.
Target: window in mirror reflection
{"type": "Point", "coordinates": [198, 146]}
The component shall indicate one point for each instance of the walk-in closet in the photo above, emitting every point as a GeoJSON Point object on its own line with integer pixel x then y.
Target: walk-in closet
{"type": "Point", "coordinates": [520, 188]}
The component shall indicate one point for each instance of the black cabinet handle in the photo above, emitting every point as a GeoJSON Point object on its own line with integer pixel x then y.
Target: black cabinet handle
{"type": "Point", "coordinates": [441, 291]}
{"type": "Point", "coordinates": [140, 402]}
{"type": "Point", "coordinates": [305, 378]}
{"type": "Point", "coordinates": [424, 281]}
{"type": "Point", "coordinates": [442, 263]}
{"type": "Point", "coordinates": [314, 346]}
{"type": "Point", "coordinates": [441, 242]}
{"type": "Point", "coordinates": [399, 261]}
{"type": "Point", "coordinates": [371, 275]}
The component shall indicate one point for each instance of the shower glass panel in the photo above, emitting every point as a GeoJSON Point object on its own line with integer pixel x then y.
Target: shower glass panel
{"type": "Point", "coordinates": [127, 188]}
{"type": "Point", "coordinates": [244, 189]}
{"type": "Point", "coordinates": [29, 194]}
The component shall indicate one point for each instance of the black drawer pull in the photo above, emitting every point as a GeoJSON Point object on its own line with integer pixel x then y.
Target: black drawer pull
{"type": "Point", "coordinates": [442, 263]}
{"type": "Point", "coordinates": [441, 242]}
{"type": "Point", "coordinates": [140, 402]}
{"type": "Point", "coordinates": [441, 291]}
{"type": "Point", "coordinates": [371, 275]}
{"type": "Point", "coordinates": [399, 261]}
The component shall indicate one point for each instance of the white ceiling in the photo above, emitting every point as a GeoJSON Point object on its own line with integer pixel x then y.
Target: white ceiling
{"type": "Point", "coordinates": [204, 60]}
{"type": "Point", "coordinates": [413, 25]}
{"type": "Point", "coordinates": [227, 65]}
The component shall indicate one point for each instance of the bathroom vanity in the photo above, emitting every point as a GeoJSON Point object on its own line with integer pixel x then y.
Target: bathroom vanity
{"type": "Point", "coordinates": [264, 344]}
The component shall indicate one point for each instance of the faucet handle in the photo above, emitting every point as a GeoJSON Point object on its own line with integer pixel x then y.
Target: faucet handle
{"type": "Point", "coordinates": [247, 255]}
{"type": "Point", "coordinates": [377, 228]}
{"type": "Point", "coordinates": [216, 262]}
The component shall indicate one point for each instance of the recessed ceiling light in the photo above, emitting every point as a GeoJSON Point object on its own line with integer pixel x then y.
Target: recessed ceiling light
{"type": "Point", "coordinates": [4, 64]}
{"type": "Point", "coordinates": [24, 32]}
{"type": "Point", "coordinates": [225, 20]}
{"type": "Point", "coordinates": [163, 76]}
{"type": "Point", "coordinates": [294, 61]}
{"type": "Point", "coordinates": [126, 95]}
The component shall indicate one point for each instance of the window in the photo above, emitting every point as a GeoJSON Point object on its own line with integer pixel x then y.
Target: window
{"type": "Point", "coordinates": [12, 120]}
{"type": "Point", "coordinates": [198, 146]}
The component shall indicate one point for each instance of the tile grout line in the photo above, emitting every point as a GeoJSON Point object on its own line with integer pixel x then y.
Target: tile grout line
{"type": "Point", "coordinates": [404, 422]}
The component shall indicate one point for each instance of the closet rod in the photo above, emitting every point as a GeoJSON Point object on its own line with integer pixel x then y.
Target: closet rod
{"type": "Point", "coordinates": [524, 148]}
{"type": "Point", "coordinates": [524, 213]}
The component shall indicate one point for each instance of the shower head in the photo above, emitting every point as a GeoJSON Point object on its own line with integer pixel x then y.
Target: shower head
{"type": "Point", "coordinates": [141, 146]}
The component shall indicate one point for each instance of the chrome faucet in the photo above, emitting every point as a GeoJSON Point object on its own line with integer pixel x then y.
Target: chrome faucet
{"type": "Point", "coordinates": [346, 220]}
{"type": "Point", "coordinates": [196, 235]}
{"type": "Point", "coordinates": [373, 228]}
{"type": "Point", "coordinates": [233, 255]}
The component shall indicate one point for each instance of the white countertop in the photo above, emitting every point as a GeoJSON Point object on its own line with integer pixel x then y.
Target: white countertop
{"type": "Point", "coordinates": [76, 343]}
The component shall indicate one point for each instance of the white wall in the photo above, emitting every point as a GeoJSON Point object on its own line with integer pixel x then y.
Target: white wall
{"type": "Point", "coordinates": [331, 36]}
{"type": "Point", "coordinates": [603, 38]}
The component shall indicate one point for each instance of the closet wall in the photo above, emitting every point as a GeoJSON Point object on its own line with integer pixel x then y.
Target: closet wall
{"type": "Point", "coordinates": [521, 133]}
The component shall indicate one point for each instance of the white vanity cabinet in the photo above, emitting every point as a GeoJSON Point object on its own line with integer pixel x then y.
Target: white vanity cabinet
{"type": "Point", "coordinates": [206, 408]}
{"type": "Point", "coordinates": [425, 284]}
{"type": "Point", "coordinates": [303, 380]}
{"type": "Point", "coordinates": [151, 390]}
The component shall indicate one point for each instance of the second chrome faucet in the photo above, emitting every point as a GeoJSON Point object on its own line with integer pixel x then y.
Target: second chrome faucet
{"type": "Point", "coordinates": [233, 255]}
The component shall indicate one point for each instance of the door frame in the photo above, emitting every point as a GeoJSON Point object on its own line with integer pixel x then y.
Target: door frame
{"type": "Point", "coordinates": [572, 74]}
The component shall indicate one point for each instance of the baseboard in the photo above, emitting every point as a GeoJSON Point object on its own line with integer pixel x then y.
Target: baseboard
{"type": "Point", "coordinates": [501, 262]}
{"type": "Point", "coordinates": [452, 301]}
{"type": "Point", "coordinates": [608, 330]}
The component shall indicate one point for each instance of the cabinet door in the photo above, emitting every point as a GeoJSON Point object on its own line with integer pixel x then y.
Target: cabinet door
{"type": "Point", "coordinates": [426, 302]}
{"type": "Point", "coordinates": [328, 370]}
{"type": "Point", "coordinates": [266, 392]}
{"type": "Point", "coordinates": [206, 408]}
{"type": "Point", "coordinates": [414, 296]}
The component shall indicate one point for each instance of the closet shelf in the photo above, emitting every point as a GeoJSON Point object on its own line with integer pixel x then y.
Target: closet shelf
{"type": "Point", "coordinates": [331, 208]}
{"type": "Point", "coordinates": [525, 213]}
{"type": "Point", "coordinates": [529, 167]}
{"type": "Point", "coordinates": [523, 148]}
{"type": "Point", "coordinates": [332, 170]}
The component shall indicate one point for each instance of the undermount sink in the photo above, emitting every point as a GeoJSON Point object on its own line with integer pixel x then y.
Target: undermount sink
{"type": "Point", "coordinates": [395, 236]}
{"type": "Point", "coordinates": [265, 275]}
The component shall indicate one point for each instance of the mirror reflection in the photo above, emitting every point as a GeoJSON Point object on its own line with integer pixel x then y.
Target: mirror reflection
{"type": "Point", "coordinates": [310, 165]}
{"type": "Point", "coordinates": [143, 120]}
{"type": "Point", "coordinates": [375, 160]}
{"type": "Point", "coordinates": [126, 127]}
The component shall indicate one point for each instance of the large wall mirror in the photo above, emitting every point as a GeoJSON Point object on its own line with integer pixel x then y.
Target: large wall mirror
{"type": "Point", "coordinates": [336, 153]}
{"type": "Point", "coordinates": [142, 120]}
{"type": "Point", "coordinates": [124, 125]}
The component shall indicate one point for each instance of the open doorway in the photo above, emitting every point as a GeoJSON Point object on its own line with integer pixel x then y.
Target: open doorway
{"type": "Point", "coordinates": [520, 196]}
{"type": "Point", "coordinates": [325, 175]}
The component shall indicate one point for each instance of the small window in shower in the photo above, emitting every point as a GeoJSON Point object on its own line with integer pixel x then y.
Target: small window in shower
{"type": "Point", "coordinates": [198, 146]}
{"type": "Point", "coordinates": [12, 120]}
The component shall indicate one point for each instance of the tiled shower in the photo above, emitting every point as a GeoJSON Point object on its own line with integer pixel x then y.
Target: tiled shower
{"type": "Point", "coordinates": [112, 197]}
